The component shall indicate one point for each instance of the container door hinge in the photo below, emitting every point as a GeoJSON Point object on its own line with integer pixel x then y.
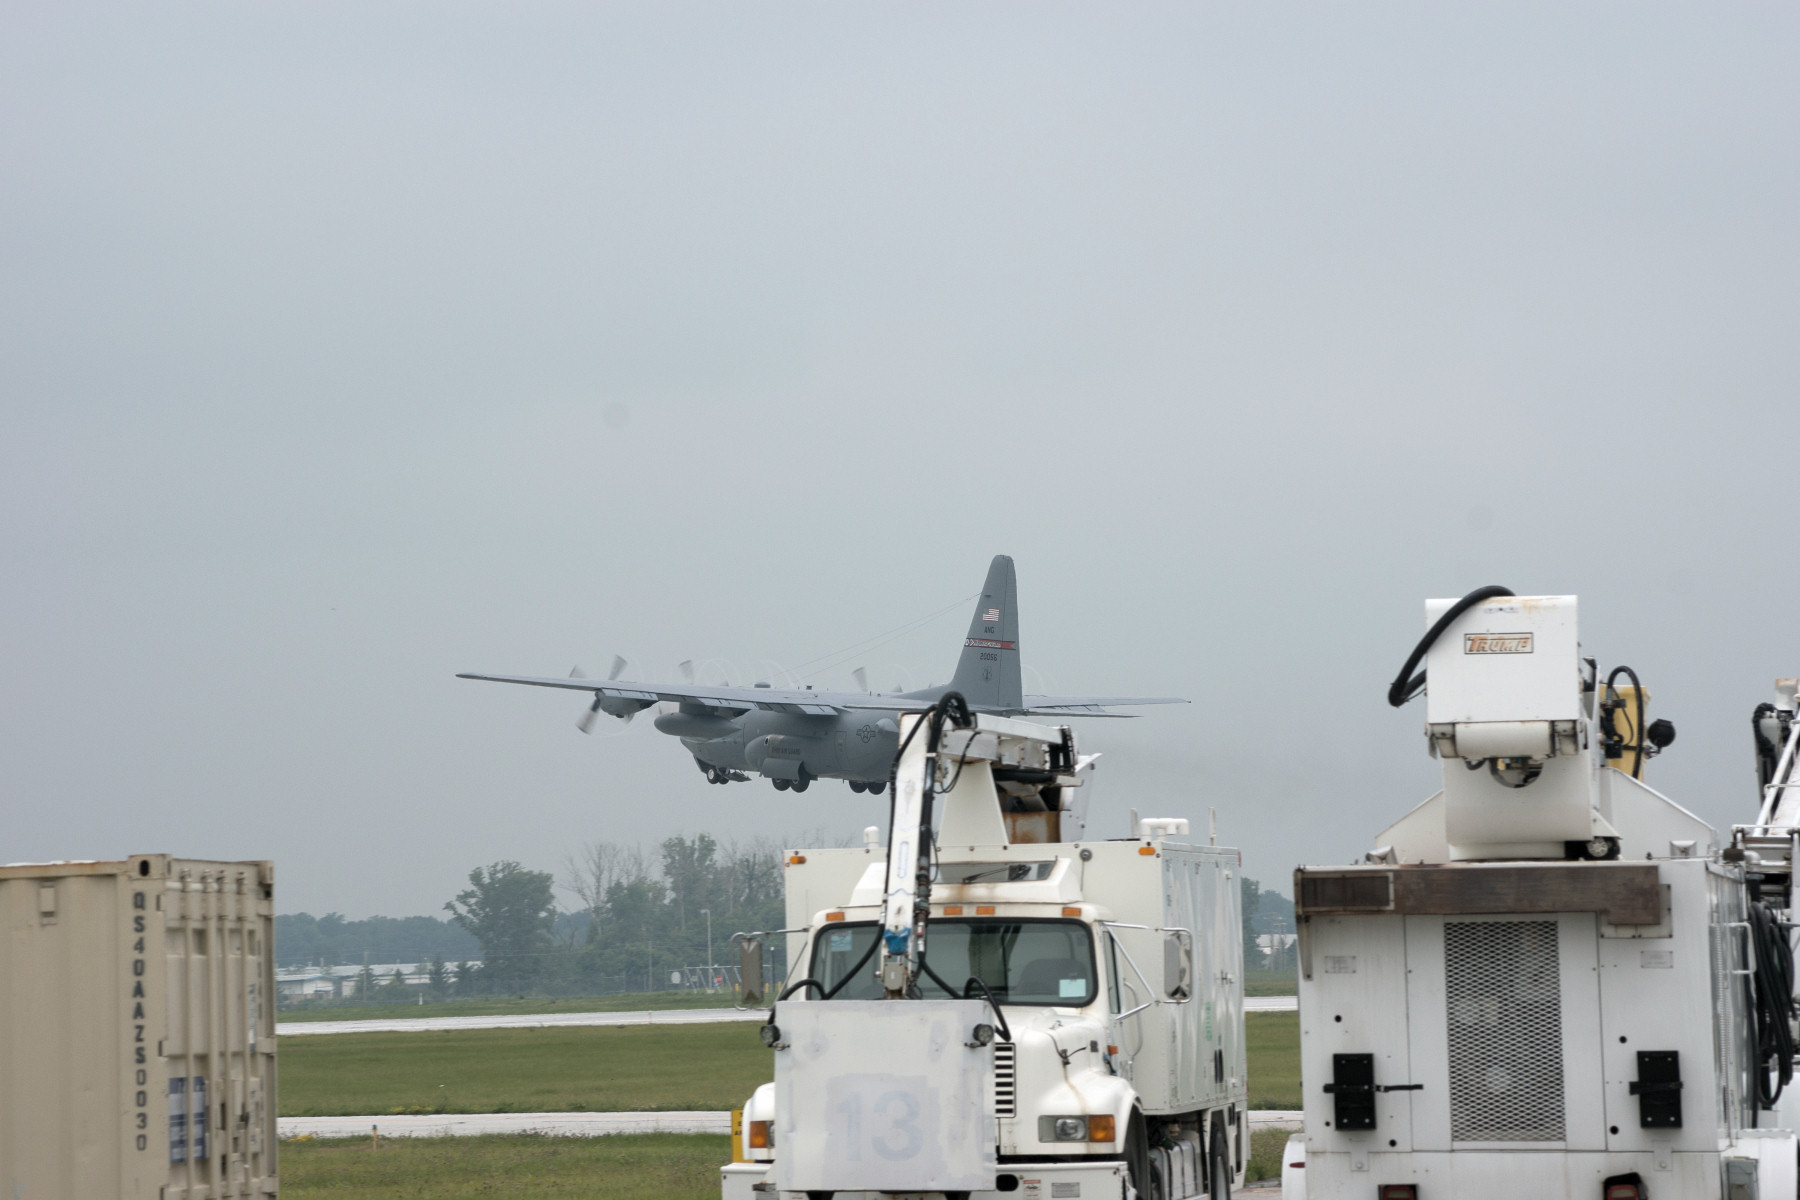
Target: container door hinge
{"type": "Point", "coordinates": [1658, 1089]}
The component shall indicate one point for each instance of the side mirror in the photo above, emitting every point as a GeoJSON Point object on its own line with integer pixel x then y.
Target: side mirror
{"type": "Point", "coordinates": [751, 993]}
{"type": "Point", "coordinates": [1178, 966]}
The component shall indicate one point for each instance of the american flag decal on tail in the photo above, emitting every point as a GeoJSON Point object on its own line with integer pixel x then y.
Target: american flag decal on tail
{"type": "Point", "coordinates": [992, 614]}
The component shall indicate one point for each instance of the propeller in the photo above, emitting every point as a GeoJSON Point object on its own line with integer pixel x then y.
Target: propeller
{"type": "Point", "coordinates": [862, 679]}
{"type": "Point", "coordinates": [586, 723]}
{"type": "Point", "coordinates": [687, 669]}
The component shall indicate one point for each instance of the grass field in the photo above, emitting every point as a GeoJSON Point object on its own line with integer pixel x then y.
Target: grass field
{"type": "Point", "coordinates": [600, 1069]}
{"type": "Point", "coordinates": [1265, 983]}
{"type": "Point", "coordinates": [606, 1069]}
{"type": "Point", "coordinates": [660, 1166]}
{"type": "Point", "coordinates": [1266, 1146]}
{"type": "Point", "coordinates": [1273, 1044]}
{"type": "Point", "coordinates": [631, 1002]}
{"type": "Point", "coordinates": [582, 1069]}
{"type": "Point", "coordinates": [656, 1166]}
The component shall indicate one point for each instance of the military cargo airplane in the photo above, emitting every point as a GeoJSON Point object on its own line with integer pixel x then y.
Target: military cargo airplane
{"type": "Point", "coordinates": [792, 737]}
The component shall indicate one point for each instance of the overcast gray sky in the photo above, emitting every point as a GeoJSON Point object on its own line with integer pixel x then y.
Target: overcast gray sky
{"type": "Point", "coordinates": [347, 346]}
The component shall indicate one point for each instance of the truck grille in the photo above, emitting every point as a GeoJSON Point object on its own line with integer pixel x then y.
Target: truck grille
{"type": "Point", "coordinates": [1503, 987]}
{"type": "Point", "coordinates": [1004, 1081]}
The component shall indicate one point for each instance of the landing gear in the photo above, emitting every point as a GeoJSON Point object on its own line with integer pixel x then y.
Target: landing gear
{"type": "Point", "coordinates": [801, 784]}
{"type": "Point", "coordinates": [876, 788]}
{"type": "Point", "coordinates": [856, 785]}
{"type": "Point", "coordinates": [781, 785]}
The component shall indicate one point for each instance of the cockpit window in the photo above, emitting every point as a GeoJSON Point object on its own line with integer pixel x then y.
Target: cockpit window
{"type": "Point", "coordinates": [1046, 962]}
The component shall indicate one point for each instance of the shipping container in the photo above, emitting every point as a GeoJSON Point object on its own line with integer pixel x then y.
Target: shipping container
{"type": "Point", "coordinates": [137, 1037]}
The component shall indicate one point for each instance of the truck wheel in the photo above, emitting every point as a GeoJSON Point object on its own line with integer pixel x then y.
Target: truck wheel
{"type": "Point", "coordinates": [1146, 1180]}
{"type": "Point", "coordinates": [1218, 1172]}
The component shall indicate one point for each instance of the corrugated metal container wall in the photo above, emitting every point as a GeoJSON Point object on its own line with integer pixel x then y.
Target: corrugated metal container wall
{"type": "Point", "coordinates": [137, 1037]}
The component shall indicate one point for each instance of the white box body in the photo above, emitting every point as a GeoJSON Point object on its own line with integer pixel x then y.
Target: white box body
{"type": "Point", "coordinates": [1521, 1032]}
{"type": "Point", "coordinates": [137, 1038]}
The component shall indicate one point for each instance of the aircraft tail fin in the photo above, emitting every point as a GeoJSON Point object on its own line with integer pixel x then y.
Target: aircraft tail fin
{"type": "Point", "coordinates": [987, 674]}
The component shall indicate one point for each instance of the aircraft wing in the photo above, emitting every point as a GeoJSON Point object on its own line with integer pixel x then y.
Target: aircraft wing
{"type": "Point", "coordinates": [726, 701]}
{"type": "Point", "coordinates": [1090, 706]}
{"type": "Point", "coordinates": [1043, 706]}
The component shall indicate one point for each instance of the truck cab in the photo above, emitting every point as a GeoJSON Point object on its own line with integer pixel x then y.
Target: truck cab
{"type": "Point", "coordinates": [1070, 1024]}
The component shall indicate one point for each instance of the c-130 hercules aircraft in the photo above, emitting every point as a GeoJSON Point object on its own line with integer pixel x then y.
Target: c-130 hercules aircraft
{"type": "Point", "coordinates": [794, 737]}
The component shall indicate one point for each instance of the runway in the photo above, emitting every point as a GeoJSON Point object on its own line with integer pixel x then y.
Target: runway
{"type": "Point", "coordinates": [656, 1016]}
{"type": "Point", "coordinates": [565, 1124]}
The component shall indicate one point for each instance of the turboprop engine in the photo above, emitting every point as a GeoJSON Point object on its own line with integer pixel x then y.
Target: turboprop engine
{"type": "Point", "coordinates": [777, 755]}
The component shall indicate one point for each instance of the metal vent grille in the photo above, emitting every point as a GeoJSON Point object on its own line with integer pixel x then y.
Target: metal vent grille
{"type": "Point", "coordinates": [1503, 988]}
{"type": "Point", "coordinates": [1004, 1078]}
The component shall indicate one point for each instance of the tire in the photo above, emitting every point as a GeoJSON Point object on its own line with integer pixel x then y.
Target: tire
{"type": "Point", "coordinates": [1146, 1180]}
{"type": "Point", "coordinates": [875, 789]}
{"type": "Point", "coordinates": [1218, 1165]}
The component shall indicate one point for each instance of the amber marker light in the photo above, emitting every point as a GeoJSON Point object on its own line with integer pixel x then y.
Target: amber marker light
{"type": "Point", "coordinates": [1100, 1129]}
{"type": "Point", "coordinates": [1146, 849]}
{"type": "Point", "coordinates": [984, 910]}
{"type": "Point", "coordinates": [1071, 911]}
{"type": "Point", "coordinates": [953, 910]}
{"type": "Point", "coordinates": [796, 860]}
{"type": "Point", "coordinates": [834, 916]}
{"type": "Point", "coordinates": [759, 1135]}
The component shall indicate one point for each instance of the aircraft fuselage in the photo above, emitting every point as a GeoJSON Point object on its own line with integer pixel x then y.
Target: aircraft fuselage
{"type": "Point", "coordinates": [858, 746]}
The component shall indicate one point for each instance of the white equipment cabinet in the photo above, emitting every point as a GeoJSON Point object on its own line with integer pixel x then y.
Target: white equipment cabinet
{"type": "Point", "coordinates": [1100, 1055]}
{"type": "Point", "coordinates": [1542, 982]}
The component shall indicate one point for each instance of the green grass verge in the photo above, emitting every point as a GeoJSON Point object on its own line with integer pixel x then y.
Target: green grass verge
{"type": "Point", "coordinates": [581, 1069]}
{"type": "Point", "coordinates": [502, 1007]}
{"type": "Point", "coordinates": [1266, 1146]}
{"type": "Point", "coordinates": [1272, 1043]}
{"type": "Point", "coordinates": [654, 1166]}
{"type": "Point", "coordinates": [1267, 983]}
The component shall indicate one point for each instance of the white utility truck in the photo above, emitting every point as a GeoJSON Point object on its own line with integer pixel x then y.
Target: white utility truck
{"type": "Point", "coordinates": [985, 1008]}
{"type": "Point", "coordinates": [1548, 980]}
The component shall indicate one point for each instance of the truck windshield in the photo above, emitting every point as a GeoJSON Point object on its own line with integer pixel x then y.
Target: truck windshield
{"type": "Point", "coordinates": [1022, 961]}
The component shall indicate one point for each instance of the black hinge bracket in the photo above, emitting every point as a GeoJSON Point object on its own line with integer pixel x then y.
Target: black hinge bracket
{"type": "Point", "coordinates": [1352, 1089]}
{"type": "Point", "coordinates": [1658, 1089]}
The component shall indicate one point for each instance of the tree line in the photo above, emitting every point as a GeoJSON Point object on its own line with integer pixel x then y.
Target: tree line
{"type": "Point", "coordinates": [637, 917]}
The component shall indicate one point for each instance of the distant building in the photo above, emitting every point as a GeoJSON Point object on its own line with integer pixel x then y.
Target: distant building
{"type": "Point", "coordinates": [306, 983]}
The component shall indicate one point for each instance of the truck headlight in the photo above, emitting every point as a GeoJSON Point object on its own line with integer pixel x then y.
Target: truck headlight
{"type": "Point", "coordinates": [1062, 1129]}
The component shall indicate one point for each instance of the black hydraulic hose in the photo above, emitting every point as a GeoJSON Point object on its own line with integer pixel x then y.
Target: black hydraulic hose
{"type": "Point", "coordinates": [1406, 685]}
{"type": "Point", "coordinates": [1773, 1010]}
{"type": "Point", "coordinates": [795, 986]}
{"type": "Point", "coordinates": [860, 964]}
{"type": "Point", "coordinates": [935, 977]}
{"type": "Point", "coordinates": [976, 981]}
{"type": "Point", "coordinates": [1637, 731]}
